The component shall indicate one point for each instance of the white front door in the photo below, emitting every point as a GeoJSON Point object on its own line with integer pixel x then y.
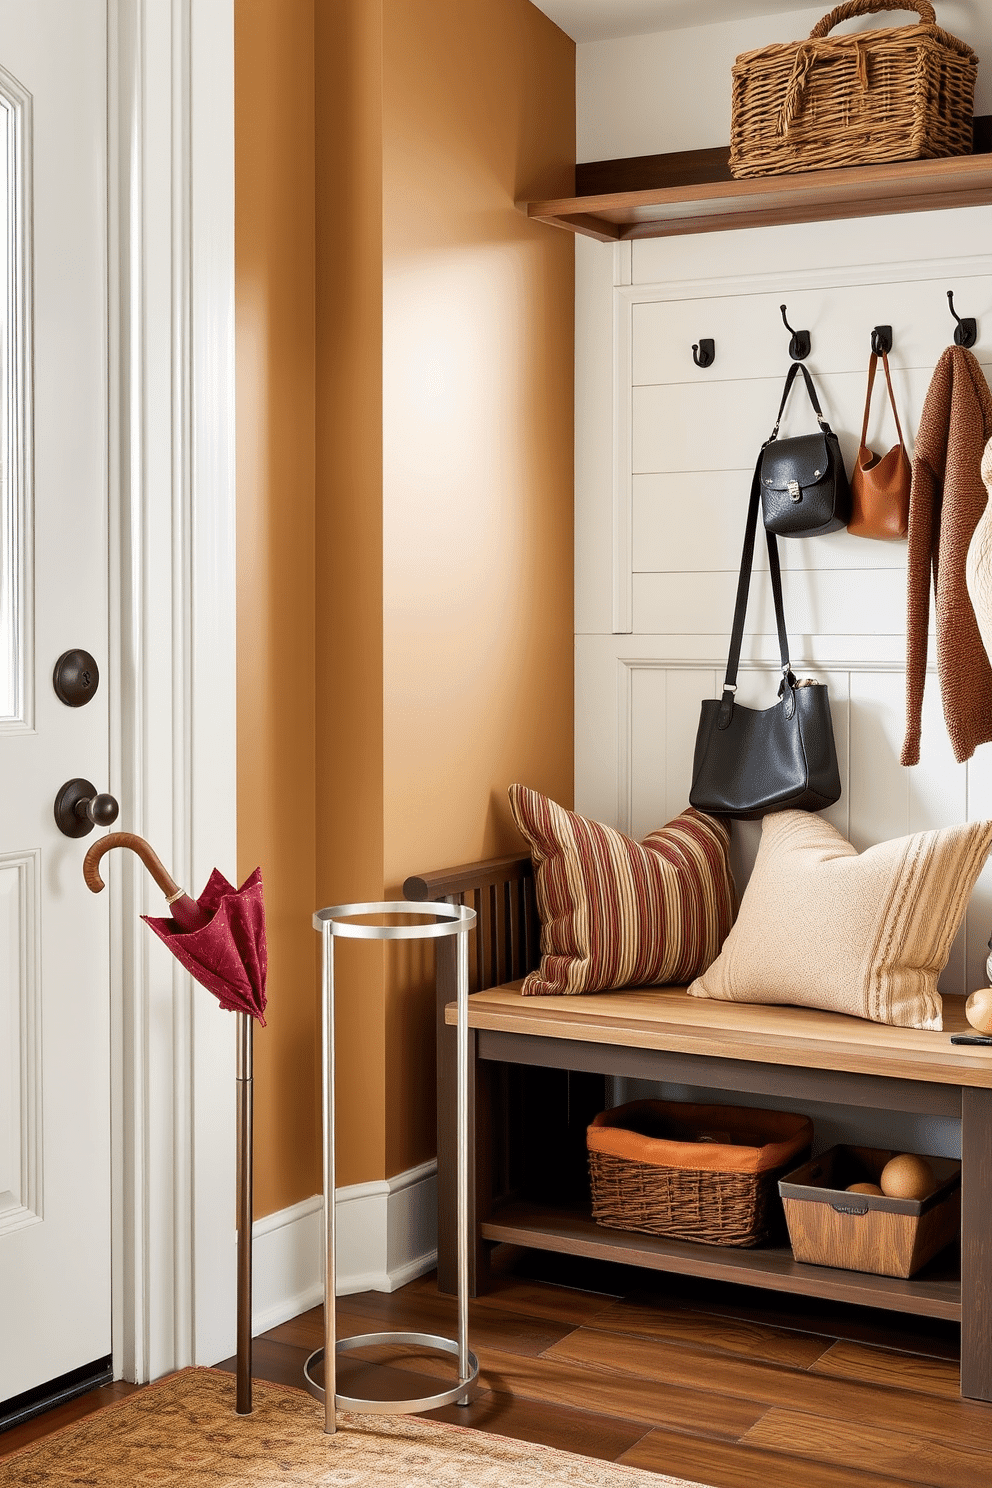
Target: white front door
{"type": "Point", "coordinates": [55, 1229]}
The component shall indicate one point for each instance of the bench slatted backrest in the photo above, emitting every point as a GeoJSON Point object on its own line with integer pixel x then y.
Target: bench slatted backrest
{"type": "Point", "coordinates": [505, 945]}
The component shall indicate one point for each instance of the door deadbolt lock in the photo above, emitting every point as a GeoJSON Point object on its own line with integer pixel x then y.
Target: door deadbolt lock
{"type": "Point", "coordinates": [78, 808]}
{"type": "Point", "coordinates": [76, 678]}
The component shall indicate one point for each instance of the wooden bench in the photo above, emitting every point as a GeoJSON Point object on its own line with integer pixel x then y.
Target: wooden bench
{"type": "Point", "coordinates": [537, 1069]}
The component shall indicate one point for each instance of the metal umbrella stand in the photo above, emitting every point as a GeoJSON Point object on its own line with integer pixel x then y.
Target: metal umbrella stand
{"type": "Point", "coordinates": [244, 1201]}
{"type": "Point", "coordinates": [446, 919]}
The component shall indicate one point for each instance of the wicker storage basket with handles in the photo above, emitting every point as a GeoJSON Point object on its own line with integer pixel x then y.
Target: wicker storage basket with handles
{"type": "Point", "coordinates": [896, 93]}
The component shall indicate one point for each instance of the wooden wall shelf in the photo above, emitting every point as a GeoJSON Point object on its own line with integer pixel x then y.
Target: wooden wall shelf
{"type": "Point", "coordinates": [766, 201]}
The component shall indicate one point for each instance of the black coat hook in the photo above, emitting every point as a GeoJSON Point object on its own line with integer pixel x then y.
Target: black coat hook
{"type": "Point", "coordinates": [704, 352]}
{"type": "Point", "coordinates": [799, 346]}
{"type": "Point", "coordinates": [881, 340]}
{"type": "Point", "coordinates": [966, 333]}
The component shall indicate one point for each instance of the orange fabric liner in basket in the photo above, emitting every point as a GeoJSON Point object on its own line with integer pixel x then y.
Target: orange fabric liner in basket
{"type": "Point", "coordinates": [714, 1139]}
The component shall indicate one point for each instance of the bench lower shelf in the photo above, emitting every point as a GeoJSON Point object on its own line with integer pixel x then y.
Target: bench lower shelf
{"type": "Point", "coordinates": [936, 1292]}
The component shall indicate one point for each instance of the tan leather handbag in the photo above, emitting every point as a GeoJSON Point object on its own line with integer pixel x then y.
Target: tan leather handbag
{"type": "Point", "coordinates": [880, 483]}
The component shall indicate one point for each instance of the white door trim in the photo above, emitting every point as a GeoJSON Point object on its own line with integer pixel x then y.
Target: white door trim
{"type": "Point", "coordinates": [172, 525]}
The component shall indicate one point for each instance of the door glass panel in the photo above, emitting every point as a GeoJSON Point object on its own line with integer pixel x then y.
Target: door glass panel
{"type": "Point", "coordinates": [15, 562]}
{"type": "Point", "coordinates": [9, 536]}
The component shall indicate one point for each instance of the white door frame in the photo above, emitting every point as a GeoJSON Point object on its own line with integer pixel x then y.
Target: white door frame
{"type": "Point", "coordinates": [173, 739]}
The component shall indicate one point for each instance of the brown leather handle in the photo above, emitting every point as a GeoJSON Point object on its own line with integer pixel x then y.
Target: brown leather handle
{"type": "Point", "coordinates": [145, 852]}
{"type": "Point", "coordinates": [923, 8]}
{"type": "Point", "coordinates": [872, 364]}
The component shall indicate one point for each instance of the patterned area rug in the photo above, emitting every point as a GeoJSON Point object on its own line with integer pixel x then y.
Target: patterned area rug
{"type": "Point", "coordinates": [183, 1430]}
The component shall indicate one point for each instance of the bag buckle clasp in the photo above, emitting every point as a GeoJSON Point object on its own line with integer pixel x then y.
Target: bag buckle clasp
{"type": "Point", "coordinates": [795, 490]}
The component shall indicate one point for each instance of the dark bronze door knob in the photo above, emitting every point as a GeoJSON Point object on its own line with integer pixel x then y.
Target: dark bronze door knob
{"type": "Point", "coordinates": [78, 808]}
{"type": "Point", "coordinates": [76, 678]}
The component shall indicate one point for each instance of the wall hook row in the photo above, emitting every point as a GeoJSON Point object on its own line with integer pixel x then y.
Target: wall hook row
{"type": "Point", "coordinates": [799, 346]}
{"type": "Point", "coordinates": [881, 340]}
{"type": "Point", "coordinates": [966, 331]}
{"type": "Point", "coordinates": [965, 334]}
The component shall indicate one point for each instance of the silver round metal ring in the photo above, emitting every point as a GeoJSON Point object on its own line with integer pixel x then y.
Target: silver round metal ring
{"type": "Point", "coordinates": [457, 919]}
{"type": "Point", "coordinates": [393, 1407]}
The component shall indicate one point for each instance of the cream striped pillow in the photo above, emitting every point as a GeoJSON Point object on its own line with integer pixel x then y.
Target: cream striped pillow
{"type": "Point", "coordinates": [822, 925]}
{"type": "Point", "coordinates": [618, 913]}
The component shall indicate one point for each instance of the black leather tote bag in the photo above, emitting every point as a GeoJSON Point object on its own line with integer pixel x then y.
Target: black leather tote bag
{"type": "Point", "coordinates": [804, 487]}
{"type": "Point", "coordinates": [750, 762]}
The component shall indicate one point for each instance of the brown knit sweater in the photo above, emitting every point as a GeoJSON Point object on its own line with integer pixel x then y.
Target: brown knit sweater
{"type": "Point", "coordinates": [948, 497]}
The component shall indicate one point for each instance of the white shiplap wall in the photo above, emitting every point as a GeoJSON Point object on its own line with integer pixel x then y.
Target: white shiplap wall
{"type": "Point", "coordinates": [664, 454]}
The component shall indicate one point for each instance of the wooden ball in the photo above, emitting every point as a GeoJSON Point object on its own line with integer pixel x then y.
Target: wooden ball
{"type": "Point", "coordinates": [907, 1177]}
{"type": "Point", "coordinates": [866, 1188]}
{"type": "Point", "coordinates": [978, 1010]}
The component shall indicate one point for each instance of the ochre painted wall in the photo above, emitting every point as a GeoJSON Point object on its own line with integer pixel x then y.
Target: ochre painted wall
{"type": "Point", "coordinates": [478, 112]}
{"type": "Point", "coordinates": [274, 247]}
{"type": "Point", "coordinates": [405, 513]}
{"type": "Point", "coordinates": [349, 550]}
{"type": "Point", "coordinates": [444, 487]}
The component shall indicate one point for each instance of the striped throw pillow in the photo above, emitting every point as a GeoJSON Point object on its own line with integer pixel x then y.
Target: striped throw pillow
{"type": "Point", "coordinates": [620, 913]}
{"type": "Point", "coordinates": [824, 926]}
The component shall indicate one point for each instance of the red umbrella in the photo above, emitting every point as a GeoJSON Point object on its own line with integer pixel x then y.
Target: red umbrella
{"type": "Point", "coordinates": [220, 939]}
{"type": "Point", "coordinates": [226, 952]}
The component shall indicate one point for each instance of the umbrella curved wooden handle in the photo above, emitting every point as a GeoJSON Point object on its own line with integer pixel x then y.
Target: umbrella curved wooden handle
{"type": "Point", "coordinates": [144, 850]}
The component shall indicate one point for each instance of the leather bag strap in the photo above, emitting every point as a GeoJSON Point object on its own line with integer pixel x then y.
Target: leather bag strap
{"type": "Point", "coordinates": [872, 364]}
{"type": "Point", "coordinates": [867, 396]}
{"type": "Point", "coordinates": [892, 396]}
{"type": "Point", "coordinates": [790, 378]}
{"type": "Point", "coordinates": [740, 607]}
{"type": "Point", "coordinates": [776, 576]}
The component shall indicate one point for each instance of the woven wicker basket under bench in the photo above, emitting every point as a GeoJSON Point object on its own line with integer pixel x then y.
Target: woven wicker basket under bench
{"type": "Point", "coordinates": [537, 1070]}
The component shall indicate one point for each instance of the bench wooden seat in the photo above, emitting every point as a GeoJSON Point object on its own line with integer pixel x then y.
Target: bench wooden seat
{"type": "Point", "coordinates": [668, 1018]}
{"type": "Point", "coordinates": [537, 1068]}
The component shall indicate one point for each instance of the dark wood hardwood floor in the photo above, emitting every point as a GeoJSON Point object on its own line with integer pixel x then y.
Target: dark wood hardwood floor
{"type": "Point", "coordinates": [723, 1385]}
{"type": "Point", "coordinates": [62, 1415]}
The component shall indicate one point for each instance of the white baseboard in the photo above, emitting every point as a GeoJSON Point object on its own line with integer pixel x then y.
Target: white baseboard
{"type": "Point", "coordinates": [387, 1231]}
{"type": "Point", "coordinates": [386, 1236]}
{"type": "Point", "coordinates": [287, 1251]}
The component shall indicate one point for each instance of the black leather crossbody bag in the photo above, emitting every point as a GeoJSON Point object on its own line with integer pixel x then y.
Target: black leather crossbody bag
{"type": "Point", "coordinates": [751, 762]}
{"type": "Point", "coordinates": [804, 489]}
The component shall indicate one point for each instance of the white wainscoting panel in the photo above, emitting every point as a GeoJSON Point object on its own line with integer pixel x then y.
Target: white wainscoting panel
{"type": "Point", "coordinates": [21, 1090]}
